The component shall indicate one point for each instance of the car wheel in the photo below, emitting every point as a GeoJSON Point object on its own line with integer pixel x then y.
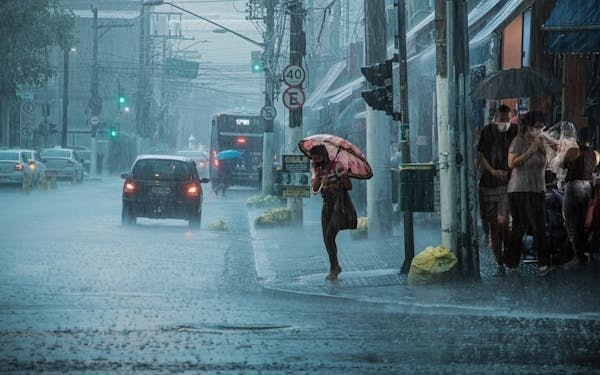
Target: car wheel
{"type": "Point", "coordinates": [128, 218]}
{"type": "Point", "coordinates": [194, 221]}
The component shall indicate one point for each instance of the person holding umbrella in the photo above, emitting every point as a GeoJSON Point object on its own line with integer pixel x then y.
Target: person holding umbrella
{"type": "Point", "coordinates": [335, 160]}
{"type": "Point", "coordinates": [492, 148]}
{"type": "Point", "coordinates": [332, 181]}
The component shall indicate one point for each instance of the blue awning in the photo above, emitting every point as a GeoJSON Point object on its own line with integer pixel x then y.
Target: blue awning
{"type": "Point", "coordinates": [574, 27]}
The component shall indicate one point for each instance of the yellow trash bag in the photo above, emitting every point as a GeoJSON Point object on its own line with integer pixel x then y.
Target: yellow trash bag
{"type": "Point", "coordinates": [430, 265]}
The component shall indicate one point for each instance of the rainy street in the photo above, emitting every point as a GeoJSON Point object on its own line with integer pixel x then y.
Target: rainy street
{"type": "Point", "coordinates": [79, 293]}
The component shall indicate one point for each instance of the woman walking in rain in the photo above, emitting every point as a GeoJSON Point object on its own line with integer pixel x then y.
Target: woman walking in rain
{"type": "Point", "coordinates": [332, 180]}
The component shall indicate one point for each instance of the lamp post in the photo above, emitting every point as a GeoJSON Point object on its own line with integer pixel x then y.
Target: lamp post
{"type": "Point", "coordinates": [65, 100]}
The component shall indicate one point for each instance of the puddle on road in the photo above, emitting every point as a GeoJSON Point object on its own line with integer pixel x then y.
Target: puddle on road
{"type": "Point", "coordinates": [220, 328]}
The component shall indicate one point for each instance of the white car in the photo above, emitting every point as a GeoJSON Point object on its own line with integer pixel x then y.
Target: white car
{"type": "Point", "coordinates": [17, 163]}
{"type": "Point", "coordinates": [64, 162]}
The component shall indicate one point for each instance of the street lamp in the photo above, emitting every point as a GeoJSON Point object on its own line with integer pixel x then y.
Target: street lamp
{"type": "Point", "coordinates": [161, 2]}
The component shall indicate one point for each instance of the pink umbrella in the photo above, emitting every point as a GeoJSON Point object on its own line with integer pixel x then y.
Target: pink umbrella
{"type": "Point", "coordinates": [341, 151]}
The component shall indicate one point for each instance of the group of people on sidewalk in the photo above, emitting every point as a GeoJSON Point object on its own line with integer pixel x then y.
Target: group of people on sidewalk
{"type": "Point", "coordinates": [514, 159]}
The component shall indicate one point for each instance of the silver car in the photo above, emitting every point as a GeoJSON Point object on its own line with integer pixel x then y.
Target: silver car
{"type": "Point", "coordinates": [16, 164]}
{"type": "Point", "coordinates": [64, 162]}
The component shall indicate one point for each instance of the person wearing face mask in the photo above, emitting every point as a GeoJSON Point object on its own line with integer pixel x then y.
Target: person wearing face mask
{"type": "Point", "coordinates": [526, 191]}
{"type": "Point", "coordinates": [494, 207]}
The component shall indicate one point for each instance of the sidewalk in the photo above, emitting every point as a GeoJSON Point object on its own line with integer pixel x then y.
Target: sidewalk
{"type": "Point", "coordinates": [294, 260]}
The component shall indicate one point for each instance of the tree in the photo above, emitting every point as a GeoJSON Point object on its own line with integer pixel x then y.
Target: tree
{"type": "Point", "coordinates": [28, 28]}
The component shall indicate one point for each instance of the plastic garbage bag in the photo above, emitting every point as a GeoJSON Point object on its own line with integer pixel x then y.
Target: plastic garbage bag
{"type": "Point", "coordinates": [431, 265]}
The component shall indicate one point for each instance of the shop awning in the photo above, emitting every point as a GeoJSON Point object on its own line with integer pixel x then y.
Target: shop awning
{"type": "Point", "coordinates": [574, 27]}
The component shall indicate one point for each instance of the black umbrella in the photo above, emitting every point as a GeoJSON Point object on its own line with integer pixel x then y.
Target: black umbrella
{"type": "Point", "coordinates": [516, 83]}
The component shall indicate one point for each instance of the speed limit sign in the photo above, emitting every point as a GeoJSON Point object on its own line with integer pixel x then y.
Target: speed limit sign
{"type": "Point", "coordinates": [293, 75]}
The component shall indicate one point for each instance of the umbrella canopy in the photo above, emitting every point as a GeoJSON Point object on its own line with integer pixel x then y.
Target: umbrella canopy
{"type": "Point", "coordinates": [228, 154]}
{"type": "Point", "coordinates": [516, 83]}
{"type": "Point", "coordinates": [341, 151]}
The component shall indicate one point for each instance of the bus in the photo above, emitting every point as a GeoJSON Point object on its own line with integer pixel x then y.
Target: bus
{"type": "Point", "coordinates": [243, 133]}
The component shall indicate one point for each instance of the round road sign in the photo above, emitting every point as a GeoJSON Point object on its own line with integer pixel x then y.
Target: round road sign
{"type": "Point", "coordinates": [28, 107]}
{"type": "Point", "coordinates": [94, 120]}
{"type": "Point", "coordinates": [27, 131]}
{"type": "Point", "coordinates": [293, 75]}
{"type": "Point", "coordinates": [268, 112]}
{"type": "Point", "coordinates": [293, 98]}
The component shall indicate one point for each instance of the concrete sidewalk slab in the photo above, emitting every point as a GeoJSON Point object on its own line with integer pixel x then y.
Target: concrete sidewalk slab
{"type": "Point", "coordinates": [294, 260]}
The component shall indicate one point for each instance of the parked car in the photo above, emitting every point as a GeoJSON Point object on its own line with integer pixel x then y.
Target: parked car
{"type": "Point", "coordinates": [65, 162]}
{"type": "Point", "coordinates": [201, 159]}
{"type": "Point", "coordinates": [17, 163]}
{"type": "Point", "coordinates": [162, 187]}
{"type": "Point", "coordinates": [36, 165]}
{"type": "Point", "coordinates": [86, 155]}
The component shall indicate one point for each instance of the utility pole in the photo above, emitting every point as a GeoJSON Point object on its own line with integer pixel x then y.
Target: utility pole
{"type": "Point", "coordinates": [141, 103]}
{"type": "Point", "coordinates": [446, 135]}
{"type": "Point", "coordinates": [297, 52]}
{"type": "Point", "coordinates": [458, 84]}
{"type": "Point", "coordinates": [95, 109]}
{"type": "Point", "coordinates": [403, 135]}
{"type": "Point", "coordinates": [268, 136]}
{"type": "Point", "coordinates": [458, 207]}
{"type": "Point", "coordinates": [65, 100]}
{"type": "Point", "coordinates": [379, 208]}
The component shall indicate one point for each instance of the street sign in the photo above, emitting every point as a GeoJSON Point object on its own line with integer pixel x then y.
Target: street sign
{"type": "Point", "coordinates": [28, 107]}
{"type": "Point", "coordinates": [295, 176]}
{"type": "Point", "coordinates": [27, 131]}
{"type": "Point", "coordinates": [268, 112]}
{"type": "Point", "coordinates": [293, 75]}
{"type": "Point", "coordinates": [293, 98]}
{"type": "Point", "coordinates": [27, 121]}
{"type": "Point", "coordinates": [94, 120]}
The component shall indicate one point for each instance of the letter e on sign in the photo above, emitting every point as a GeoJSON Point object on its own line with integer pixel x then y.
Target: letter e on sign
{"type": "Point", "coordinates": [293, 98]}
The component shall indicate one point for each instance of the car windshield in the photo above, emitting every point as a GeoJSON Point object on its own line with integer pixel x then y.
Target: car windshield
{"type": "Point", "coordinates": [164, 170]}
{"type": "Point", "coordinates": [9, 155]}
{"type": "Point", "coordinates": [55, 154]}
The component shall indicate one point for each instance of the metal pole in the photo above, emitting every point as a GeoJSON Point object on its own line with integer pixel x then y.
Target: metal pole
{"type": "Point", "coordinates": [297, 51]}
{"type": "Point", "coordinates": [379, 207]}
{"type": "Point", "coordinates": [141, 83]}
{"type": "Point", "coordinates": [65, 101]}
{"type": "Point", "coordinates": [94, 89]}
{"type": "Point", "coordinates": [267, 164]}
{"type": "Point", "coordinates": [469, 259]}
{"type": "Point", "coordinates": [404, 138]}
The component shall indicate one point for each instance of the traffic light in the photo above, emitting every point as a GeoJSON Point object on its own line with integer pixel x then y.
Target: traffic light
{"type": "Point", "coordinates": [113, 132]}
{"type": "Point", "coordinates": [257, 63]}
{"type": "Point", "coordinates": [380, 94]}
{"type": "Point", "coordinates": [121, 97]}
